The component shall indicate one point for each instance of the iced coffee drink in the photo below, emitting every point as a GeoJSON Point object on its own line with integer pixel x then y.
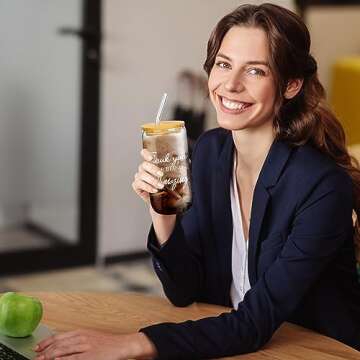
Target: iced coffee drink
{"type": "Point", "coordinates": [167, 143]}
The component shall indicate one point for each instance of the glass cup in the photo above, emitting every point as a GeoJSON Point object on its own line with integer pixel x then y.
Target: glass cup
{"type": "Point", "coordinates": [167, 143]}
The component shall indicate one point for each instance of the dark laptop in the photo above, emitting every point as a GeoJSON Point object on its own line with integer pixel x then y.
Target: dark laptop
{"type": "Point", "coordinates": [22, 348]}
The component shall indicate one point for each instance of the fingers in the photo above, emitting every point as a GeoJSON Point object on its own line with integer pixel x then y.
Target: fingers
{"type": "Point", "coordinates": [60, 351]}
{"type": "Point", "coordinates": [61, 346]}
{"type": "Point", "coordinates": [55, 352]}
{"type": "Point", "coordinates": [51, 339]}
{"type": "Point", "coordinates": [146, 154]}
{"type": "Point", "coordinates": [151, 169]}
{"type": "Point", "coordinates": [148, 166]}
{"type": "Point", "coordinates": [141, 187]}
{"type": "Point", "coordinates": [146, 180]}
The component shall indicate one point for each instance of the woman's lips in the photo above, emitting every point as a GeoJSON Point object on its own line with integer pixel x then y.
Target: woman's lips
{"type": "Point", "coordinates": [233, 107]}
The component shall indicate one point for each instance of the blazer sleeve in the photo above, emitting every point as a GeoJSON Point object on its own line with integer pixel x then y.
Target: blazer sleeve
{"type": "Point", "coordinates": [178, 263]}
{"type": "Point", "coordinates": [320, 227]}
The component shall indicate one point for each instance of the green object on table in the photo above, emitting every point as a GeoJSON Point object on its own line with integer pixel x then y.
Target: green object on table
{"type": "Point", "coordinates": [19, 314]}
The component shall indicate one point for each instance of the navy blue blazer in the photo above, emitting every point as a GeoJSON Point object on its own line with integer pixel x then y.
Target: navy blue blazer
{"type": "Point", "coordinates": [302, 266]}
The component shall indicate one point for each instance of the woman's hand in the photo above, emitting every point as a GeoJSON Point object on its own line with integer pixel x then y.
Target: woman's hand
{"type": "Point", "coordinates": [95, 345]}
{"type": "Point", "coordinates": [146, 180]}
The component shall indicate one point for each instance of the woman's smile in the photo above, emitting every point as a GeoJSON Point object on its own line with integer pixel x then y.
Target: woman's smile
{"type": "Point", "coordinates": [233, 106]}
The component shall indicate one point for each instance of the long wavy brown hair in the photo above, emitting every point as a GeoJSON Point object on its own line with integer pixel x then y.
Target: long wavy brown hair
{"type": "Point", "coordinates": [306, 117]}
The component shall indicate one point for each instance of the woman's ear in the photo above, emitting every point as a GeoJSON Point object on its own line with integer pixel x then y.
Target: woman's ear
{"type": "Point", "coordinates": [293, 87]}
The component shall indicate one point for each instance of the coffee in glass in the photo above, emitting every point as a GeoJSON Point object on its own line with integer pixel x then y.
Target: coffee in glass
{"type": "Point", "coordinates": [167, 143]}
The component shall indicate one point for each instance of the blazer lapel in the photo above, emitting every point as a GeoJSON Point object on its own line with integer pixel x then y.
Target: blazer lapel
{"type": "Point", "coordinates": [222, 217]}
{"type": "Point", "coordinates": [272, 168]}
{"type": "Point", "coordinates": [259, 204]}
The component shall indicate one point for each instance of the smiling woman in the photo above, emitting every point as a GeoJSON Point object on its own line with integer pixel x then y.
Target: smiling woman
{"type": "Point", "coordinates": [241, 81]}
{"type": "Point", "coordinates": [270, 230]}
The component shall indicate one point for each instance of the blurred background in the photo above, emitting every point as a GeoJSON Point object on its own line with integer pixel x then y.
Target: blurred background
{"type": "Point", "coordinates": [77, 80]}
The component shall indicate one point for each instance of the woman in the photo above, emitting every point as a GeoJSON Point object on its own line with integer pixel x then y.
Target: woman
{"type": "Point", "coordinates": [270, 231]}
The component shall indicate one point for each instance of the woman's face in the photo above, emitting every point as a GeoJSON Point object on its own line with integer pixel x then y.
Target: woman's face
{"type": "Point", "coordinates": [241, 85]}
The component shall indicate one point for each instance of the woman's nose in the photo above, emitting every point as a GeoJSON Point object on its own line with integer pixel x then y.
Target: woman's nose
{"type": "Point", "coordinates": [234, 83]}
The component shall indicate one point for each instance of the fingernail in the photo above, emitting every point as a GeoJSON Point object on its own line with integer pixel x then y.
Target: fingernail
{"type": "Point", "coordinates": [160, 185]}
{"type": "Point", "coordinates": [160, 173]}
{"type": "Point", "coordinates": [36, 348]}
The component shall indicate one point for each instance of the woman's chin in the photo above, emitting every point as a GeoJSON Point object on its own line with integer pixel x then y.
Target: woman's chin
{"type": "Point", "coordinates": [231, 125]}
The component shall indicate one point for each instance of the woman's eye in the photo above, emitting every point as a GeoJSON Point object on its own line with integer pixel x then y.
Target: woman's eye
{"type": "Point", "coordinates": [255, 71]}
{"type": "Point", "coordinates": [223, 65]}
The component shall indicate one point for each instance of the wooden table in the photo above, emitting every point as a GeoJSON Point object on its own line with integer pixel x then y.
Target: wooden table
{"type": "Point", "coordinates": [123, 313]}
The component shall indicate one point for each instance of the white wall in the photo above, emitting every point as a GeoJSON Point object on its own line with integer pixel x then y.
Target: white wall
{"type": "Point", "coordinates": [39, 113]}
{"type": "Point", "coordinates": [146, 44]}
{"type": "Point", "coordinates": [335, 33]}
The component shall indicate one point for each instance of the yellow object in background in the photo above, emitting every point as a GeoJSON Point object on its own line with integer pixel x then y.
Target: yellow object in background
{"type": "Point", "coordinates": [345, 96]}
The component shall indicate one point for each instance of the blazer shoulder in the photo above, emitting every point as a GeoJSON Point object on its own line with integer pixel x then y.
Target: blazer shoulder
{"type": "Point", "coordinates": [313, 166]}
{"type": "Point", "coordinates": [211, 141]}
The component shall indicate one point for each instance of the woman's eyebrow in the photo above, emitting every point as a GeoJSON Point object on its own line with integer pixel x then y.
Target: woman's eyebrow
{"type": "Point", "coordinates": [251, 62]}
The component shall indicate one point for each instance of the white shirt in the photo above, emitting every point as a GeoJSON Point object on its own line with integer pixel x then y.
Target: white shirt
{"type": "Point", "coordinates": [239, 258]}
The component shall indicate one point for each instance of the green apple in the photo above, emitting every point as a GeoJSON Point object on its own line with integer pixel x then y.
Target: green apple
{"type": "Point", "coordinates": [19, 314]}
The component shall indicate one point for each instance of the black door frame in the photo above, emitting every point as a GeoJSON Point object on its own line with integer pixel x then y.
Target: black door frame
{"type": "Point", "coordinates": [84, 251]}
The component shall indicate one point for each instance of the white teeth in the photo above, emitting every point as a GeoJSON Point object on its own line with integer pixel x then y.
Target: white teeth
{"type": "Point", "coordinates": [231, 105]}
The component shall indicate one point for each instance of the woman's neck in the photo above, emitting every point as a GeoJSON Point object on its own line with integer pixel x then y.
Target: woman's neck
{"type": "Point", "coordinates": [252, 147]}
